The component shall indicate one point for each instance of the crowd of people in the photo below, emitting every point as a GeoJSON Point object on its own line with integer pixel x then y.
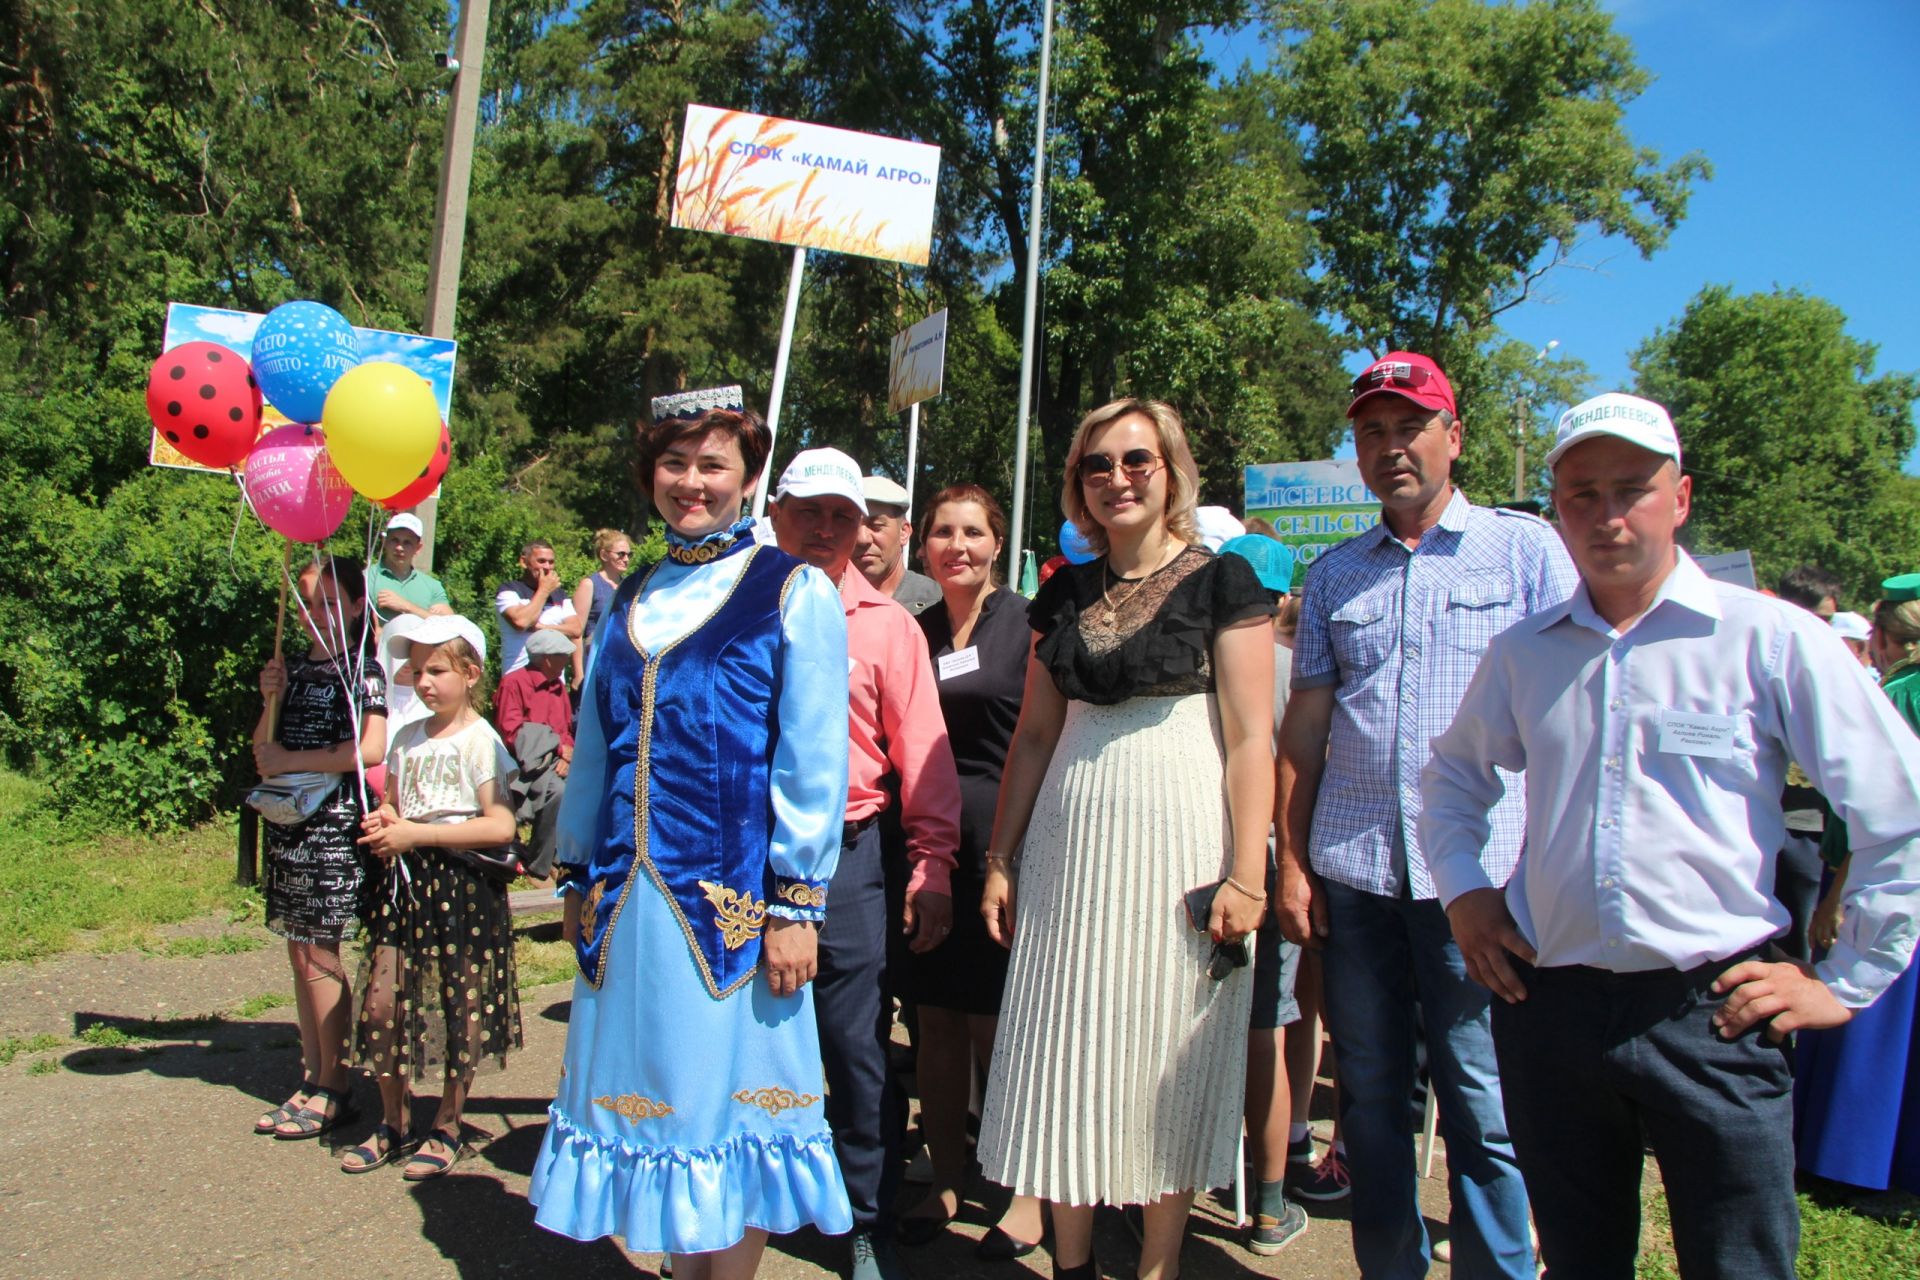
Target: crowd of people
{"type": "Point", "coordinates": [1541, 819]}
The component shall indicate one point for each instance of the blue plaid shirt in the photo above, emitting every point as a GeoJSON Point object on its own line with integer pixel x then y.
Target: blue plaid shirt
{"type": "Point", "coordinates": [1398, 633]}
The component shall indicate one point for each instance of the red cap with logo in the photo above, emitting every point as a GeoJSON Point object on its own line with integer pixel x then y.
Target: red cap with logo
{"type": "Point", "coordinates": [1408, 375]}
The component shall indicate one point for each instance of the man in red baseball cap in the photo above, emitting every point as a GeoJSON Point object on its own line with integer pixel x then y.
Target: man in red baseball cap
{"type": "Point", "coordinates": [1392, 625]}
{"type": "Point", "coordinates": [1406, 374]}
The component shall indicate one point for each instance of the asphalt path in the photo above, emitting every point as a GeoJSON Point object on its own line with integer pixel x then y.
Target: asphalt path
{"type": "Point", "coordinates": [137, 1159]}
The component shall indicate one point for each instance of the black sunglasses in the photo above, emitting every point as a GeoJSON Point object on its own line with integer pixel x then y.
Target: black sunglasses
{"type": "Point", "coordinates": [1098, 468]}
{"type": "Point", "coordinates": [1397, 374]}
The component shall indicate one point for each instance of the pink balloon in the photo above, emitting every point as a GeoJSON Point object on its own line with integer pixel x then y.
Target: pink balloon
{"type": "Point", "coordinates": [293, 486]}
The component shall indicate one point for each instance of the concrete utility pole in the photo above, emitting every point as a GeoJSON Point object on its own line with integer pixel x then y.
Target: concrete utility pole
{"type": "Point", "coordinates": [450, 213]}
{"type": "Point", "coordinates": [1034, 232]}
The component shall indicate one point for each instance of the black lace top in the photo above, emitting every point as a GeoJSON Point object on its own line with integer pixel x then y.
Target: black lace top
{"type": "Point", "coordinates": [1107, 639]}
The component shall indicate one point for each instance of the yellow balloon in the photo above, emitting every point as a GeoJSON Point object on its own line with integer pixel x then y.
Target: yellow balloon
{"type": "Point", "coordinates": [382, 425]}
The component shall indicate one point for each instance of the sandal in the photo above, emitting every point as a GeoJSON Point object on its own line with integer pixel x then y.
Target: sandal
{"type": "Point", "coordinates": [311, 1123]}
{"type": "Point", "coordinates": [436, 1166]}
{"type": "Point", "coordinates": [385, 1146]}
{"type": "Point", "coordinates": [281, 1114]}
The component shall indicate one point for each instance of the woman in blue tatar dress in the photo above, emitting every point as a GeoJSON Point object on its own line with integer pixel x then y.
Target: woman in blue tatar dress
{"type": "Point", "coordinates": [700, 827]}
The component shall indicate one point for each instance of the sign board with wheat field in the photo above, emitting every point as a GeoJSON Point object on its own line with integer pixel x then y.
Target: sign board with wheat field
{"type": "Point", "coordinates": [918, 362]}
{"type": "Point", "coordinates": [806, 185]}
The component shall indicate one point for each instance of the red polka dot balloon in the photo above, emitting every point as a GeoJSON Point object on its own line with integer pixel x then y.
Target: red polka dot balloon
{"type": "Point", "coordinates": [204, 402]}
{"type": "Point", "coordinates": [424, 484]}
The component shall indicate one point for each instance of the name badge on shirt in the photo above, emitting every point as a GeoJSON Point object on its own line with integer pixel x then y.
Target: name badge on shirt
{"type": "Point", "coordinates": [1692, 733]}
{"type": "Point", "coordinates": [959, 662]}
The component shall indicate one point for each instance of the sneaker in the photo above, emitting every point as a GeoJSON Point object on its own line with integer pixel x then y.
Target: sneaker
{"type": "Point", "coordinates": [873, 1258]}
{"type": "Point", "coordinates": [1328, 1180]}
{"type": "Point", "coordinates": [1271, 1235]}
{"type": "Point", "coordinates": [1301, 1152]}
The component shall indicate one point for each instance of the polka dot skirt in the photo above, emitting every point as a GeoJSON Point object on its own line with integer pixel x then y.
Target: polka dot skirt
{"type": "Point", "coordinates": [437, 996]}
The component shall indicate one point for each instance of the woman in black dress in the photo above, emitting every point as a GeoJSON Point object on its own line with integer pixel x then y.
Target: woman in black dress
{"type": "Point", "coordinates": [317, 876]}
{"type": "Point", "coordinates": [978, 639]}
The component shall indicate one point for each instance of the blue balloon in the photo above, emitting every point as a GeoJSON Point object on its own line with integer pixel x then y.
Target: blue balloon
{"type": "Point", "coordinates": [299, 352]}
{"type": "Point", "coordinates": [1074, 546]}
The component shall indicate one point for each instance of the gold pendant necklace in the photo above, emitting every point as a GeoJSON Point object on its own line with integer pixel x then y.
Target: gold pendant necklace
{"type": "Point", "coordinates": [1112, 620]}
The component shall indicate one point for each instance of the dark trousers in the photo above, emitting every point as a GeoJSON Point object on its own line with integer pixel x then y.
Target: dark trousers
{"type": "Point", "coordinates": [1590, 1062]}
{"type": "Point", "coordinates": [1796, 886]}
{"type": "Point", "coordinates": [864, 1106]}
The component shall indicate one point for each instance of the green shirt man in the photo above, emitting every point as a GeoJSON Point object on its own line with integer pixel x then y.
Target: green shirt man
{"type": "Point", "coordinates": [396, 586]}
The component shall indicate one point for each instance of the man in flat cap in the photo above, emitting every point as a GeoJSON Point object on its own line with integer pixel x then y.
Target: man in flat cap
{"type": "Point", "coordinates": [881, 552]}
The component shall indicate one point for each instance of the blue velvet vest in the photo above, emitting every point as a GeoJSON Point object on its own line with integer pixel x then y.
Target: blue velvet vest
{"type": "Point", "coordinates": [689, 734]}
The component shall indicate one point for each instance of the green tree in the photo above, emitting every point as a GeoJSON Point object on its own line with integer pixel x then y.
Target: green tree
{"type": "Point", "coordinates": [1793, 442]}
{"type": "Point", "coordinates": [220, 152]}
{"type": "Point", "coordinates": [1457, 152]}
{"type": "Point", "coordinates": [1509, 393]}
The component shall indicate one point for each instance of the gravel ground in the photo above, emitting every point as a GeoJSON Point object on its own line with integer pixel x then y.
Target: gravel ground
{"type": "Point", "coordinates": [138, 1160]}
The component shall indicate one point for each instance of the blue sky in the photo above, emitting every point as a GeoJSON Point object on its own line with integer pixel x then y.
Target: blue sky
{"type": "Point", "coordinates": [1808, 110]}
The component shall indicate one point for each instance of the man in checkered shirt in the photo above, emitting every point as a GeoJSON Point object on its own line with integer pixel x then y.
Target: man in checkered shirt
{"type": "Point", "coordinates": [1392, 625]}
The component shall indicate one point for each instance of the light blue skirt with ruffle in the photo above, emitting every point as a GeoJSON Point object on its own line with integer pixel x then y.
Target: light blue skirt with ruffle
{"type": "Point", "coordinates": [681, 1121]}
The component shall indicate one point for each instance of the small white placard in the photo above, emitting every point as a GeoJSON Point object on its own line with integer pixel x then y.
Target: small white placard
{"type": "Point", "coordinates": [959, 662]}
{"type": "Point", "coordinates": [1732, 566]}
{"type": "Point", "coordinates": [1693, 733]}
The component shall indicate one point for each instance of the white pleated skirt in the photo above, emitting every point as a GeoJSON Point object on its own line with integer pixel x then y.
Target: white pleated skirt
{"type": "Point", "coordinates": [1119, 1065]}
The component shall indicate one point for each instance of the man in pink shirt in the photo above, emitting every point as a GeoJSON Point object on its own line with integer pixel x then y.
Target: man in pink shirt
{"type": "Point", "coordinates": [896, 728]}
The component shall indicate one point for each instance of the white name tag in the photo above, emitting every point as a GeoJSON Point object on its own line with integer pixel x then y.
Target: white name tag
{"type": "Point", "coordinates": [1692, 733]}
{"type": "Point", "coordinates": [959, 662]}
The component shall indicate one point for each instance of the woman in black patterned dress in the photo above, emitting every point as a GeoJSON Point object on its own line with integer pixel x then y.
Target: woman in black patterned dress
{"type": "Point", "coordinates": [317, 876]}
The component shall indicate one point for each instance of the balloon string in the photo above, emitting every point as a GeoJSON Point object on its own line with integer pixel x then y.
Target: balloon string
{"type": "Point", "coordinates": [233, 539]}
{"type": "Point", "coordinates": [334, 632]}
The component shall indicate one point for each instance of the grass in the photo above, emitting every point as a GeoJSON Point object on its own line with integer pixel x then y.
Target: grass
{"type": "Point", "coordinates": [1836, 1243]}
{"type": "Point", "coordinates": [254, 1006]}
{"type": "Point", "coordinates": [538, 963]}
{"type": "Point", "coordinates": [13, 1046]}
{"type": "Point", "coordinates": [64, 888]}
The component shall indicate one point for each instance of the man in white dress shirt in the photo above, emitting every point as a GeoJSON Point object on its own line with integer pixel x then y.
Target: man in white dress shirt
{"type": "Point", "coordinates": [1655, 713]}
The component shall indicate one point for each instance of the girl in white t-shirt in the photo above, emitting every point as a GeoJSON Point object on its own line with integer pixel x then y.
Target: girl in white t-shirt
{"type": "Point", "coordinates": [439, 998]}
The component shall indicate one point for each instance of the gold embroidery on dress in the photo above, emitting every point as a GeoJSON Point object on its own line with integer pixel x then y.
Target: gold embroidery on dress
{"type": "Point", "coordinates": [632, 1107]}
{"type": "Point", "coordinates": [774, 1100]}
{"type": "Point", "coordinates": [740, 917]}
{"type": "Point", "coordinates": [590, 912]}
{"type": "Point", "coordinates": [803, 895]}
{"type": "Point", "coordinates": [705, 552]}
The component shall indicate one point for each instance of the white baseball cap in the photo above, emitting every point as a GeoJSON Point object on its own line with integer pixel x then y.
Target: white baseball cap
{"type": "Point", "coordinates": [1615, 413]}
{"type": "Point", "coordinates": [1850, 626]}
{"type": "Point", "coordinates": [409, 523]}
{"type": "Point", "coordinates": [823, 473]}
{"type": "Point", "coordinates": [436, 629]}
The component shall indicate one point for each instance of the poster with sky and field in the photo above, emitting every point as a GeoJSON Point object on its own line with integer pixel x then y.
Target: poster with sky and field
{"type": "Point", "coordinates": [1311, 505]}
{"type": "Point", "coordinates": [805, 184]}
{"type": "Point", "coordinates": [431, 358]}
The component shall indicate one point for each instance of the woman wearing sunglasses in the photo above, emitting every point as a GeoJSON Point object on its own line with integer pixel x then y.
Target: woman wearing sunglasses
{"type": "Point", "coordinates": [1140, 772]}
{"type": "Point", "coordinates": [614, 550]}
